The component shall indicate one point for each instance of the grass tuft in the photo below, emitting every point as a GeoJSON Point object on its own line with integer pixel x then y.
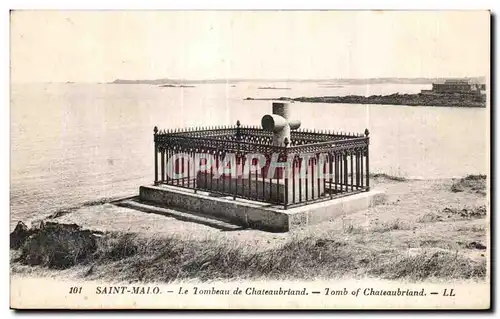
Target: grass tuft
{"type": "Point", "coordinates": [466, 213]}
{"type": "Point", "coordinates": [388, 177]}
{"type": "Point", "coordinates": [430, 218]}
{"type": "Point", "coordinates": [471, 183]}
{"type": "Point", "coordinates": [435, 265]}
{"type": "Point", "coordinates": [392, 225]}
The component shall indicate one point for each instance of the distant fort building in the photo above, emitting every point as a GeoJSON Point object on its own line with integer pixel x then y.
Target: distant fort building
{"type": "Point", "coordinates": [459, 86]}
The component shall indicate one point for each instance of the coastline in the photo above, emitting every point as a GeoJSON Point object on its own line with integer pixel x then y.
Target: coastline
{"type": "Point", "coordinates": [419, 99]}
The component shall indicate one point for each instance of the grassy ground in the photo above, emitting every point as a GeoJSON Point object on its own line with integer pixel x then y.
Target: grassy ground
{"type": "Point", "coordinates": [426, 230]}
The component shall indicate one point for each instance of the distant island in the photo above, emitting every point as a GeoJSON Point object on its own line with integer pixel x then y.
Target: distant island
{"type": "Point", "coordinates": [452, 93]}
{"type": "Point", "coordinates": [332, 81]}
{"type": "Point", "coordinates": [330, 86]}
{"type": "Point", "coordinates": [272, 88]}
{"type": "Point", "coordinates": [393, 99]}
{"type": "Point", "coordinates": [175, 86]}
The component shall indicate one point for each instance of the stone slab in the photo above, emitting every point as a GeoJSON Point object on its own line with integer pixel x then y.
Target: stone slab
{"type": "Point", "coordinates": [258, 215]}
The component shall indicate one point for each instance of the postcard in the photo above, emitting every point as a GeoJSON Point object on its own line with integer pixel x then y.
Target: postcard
{"type": "Point", "coordinates": [250, 159]}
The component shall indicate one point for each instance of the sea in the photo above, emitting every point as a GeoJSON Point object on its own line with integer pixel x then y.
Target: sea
{"type": "Point", "coordinates": [72, 143]}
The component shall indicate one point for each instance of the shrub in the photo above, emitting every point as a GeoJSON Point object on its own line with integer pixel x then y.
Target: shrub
{"type": "Point", "coordinates": [58, 246]}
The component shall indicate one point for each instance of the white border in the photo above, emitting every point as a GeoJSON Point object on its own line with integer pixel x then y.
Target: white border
{"type": "Point", "coordinates": [255, 4]}
{"type": "Point", "coordinates": [190, 4]}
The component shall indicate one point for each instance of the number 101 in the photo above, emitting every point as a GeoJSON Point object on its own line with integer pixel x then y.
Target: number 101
{"type": "Point", "coordinates": [75, 290]}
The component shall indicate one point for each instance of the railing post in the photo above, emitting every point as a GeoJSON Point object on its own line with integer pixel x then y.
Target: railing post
{"type": "Point", "coordinates": [238, 138]}
{"type": "Point", "coordinates": [367, 133]}
{"type": "Point", "coordinates": [155, 130]}
{"type": "Point", "coordinates": [238, 131]}
{"type": "Point", "coordinates": [285, 172]}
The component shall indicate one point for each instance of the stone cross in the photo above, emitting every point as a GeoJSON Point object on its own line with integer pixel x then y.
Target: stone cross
{"type": "Point", "coordinates": [279, 123]}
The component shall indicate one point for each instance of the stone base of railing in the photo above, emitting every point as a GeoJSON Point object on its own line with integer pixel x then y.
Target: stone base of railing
{"type": "Point", "coordinates": [258, 215]}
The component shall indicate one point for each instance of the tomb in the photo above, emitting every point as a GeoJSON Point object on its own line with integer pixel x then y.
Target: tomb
{"type": "Point", "coordinates": [273, 177]}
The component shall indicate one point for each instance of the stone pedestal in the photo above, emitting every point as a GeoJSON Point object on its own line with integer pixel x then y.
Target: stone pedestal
{"type": "Point", "coordinates": [255, 214]}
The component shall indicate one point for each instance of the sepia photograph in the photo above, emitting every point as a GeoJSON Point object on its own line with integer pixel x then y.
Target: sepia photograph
{"type": "Point", "coordinates": [225, 159]}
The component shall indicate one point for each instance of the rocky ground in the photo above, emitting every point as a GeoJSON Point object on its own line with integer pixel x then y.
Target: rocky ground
{"type": "Point", "coordinates": [427, 229]}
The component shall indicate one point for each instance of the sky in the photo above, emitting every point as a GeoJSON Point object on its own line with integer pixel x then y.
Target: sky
{"type": "Point", "coordinates": [100, 46]}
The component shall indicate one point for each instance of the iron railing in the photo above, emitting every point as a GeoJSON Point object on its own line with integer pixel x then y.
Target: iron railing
{"type": "Point", "coordinates": [241, 162]}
